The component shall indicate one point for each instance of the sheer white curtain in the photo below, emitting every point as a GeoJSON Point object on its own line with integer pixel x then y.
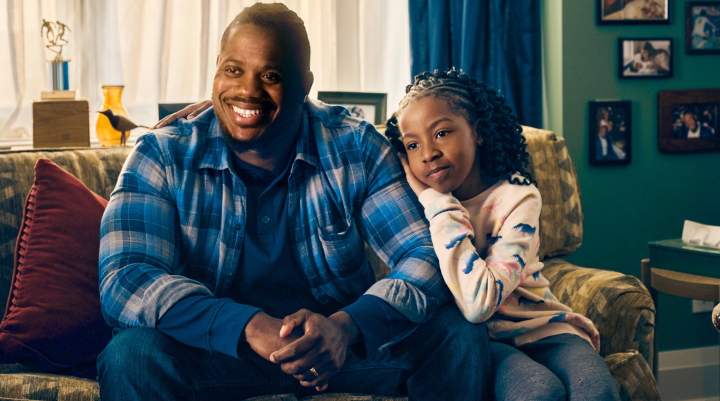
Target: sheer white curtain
{"type": "Point", "coordinates": [165, 50]}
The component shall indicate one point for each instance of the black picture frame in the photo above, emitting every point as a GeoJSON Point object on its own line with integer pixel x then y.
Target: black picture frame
{"type": "Point", "coordinates": [359, 104]}
{"type": "Point", "coordinates": [659, 65]}
{"type": "Point", "coordinates": [610, 132]}
{"type": "Point", "coordinates": [612, 12]}
{"type": "Point", "coordinates": [695, 44]}
{"type": "Point", "coordinates": [674, 133]}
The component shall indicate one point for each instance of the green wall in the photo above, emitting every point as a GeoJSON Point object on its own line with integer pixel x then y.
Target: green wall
{"type": "Point", "coordinates": [627, 206]}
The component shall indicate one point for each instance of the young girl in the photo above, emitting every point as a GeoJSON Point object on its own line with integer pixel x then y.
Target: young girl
{"type": "Point", "coordinates": [466, 160]}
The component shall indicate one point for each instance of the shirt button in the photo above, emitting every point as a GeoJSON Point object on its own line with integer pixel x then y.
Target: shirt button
{"type": "Point", "coordinates": [265, 219]}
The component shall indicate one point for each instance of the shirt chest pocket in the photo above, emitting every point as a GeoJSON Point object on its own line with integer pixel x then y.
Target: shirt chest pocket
{"type": "Point", "coordinates": [342, 245]}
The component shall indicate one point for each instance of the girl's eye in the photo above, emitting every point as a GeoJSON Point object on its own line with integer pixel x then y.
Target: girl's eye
{"type": "Point", "coordinates": [232, 70]}
{"type": "Point", "coordinates": [411, 146]}
{"type": "Point", "coordinates": [271, 77]}
{"type": "Point", "coordinates": [441, 134]}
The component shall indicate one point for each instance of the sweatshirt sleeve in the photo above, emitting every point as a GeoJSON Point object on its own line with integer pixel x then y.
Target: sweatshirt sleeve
{"type": "Point", "coordinates": [209, 323]}
{"type": "Point", "coordinates": [478, 283]}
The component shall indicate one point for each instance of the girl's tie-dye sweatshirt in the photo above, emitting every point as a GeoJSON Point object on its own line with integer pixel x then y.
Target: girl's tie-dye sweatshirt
{"type": "Point", "coordinates": [488, 252]}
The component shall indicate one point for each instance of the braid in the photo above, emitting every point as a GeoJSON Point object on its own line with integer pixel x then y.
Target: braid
{"type": "Point", "coordinates": [503, 151]}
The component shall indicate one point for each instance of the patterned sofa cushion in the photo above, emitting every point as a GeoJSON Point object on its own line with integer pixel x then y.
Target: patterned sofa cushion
{"type": "Point", "coordinates": [561, 228]}
{"type": "Point", "coordinates": [47, 387]}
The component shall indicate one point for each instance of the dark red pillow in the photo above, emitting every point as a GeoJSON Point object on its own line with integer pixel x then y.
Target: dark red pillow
{"type": "Point", "coordinates": [52, 319]}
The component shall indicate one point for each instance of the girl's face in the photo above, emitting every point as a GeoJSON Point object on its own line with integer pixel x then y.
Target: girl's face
{"type": "Point", "coordinates": [441, 147]}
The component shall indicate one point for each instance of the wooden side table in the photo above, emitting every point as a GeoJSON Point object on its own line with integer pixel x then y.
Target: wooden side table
{"type": "Point", "coordinates": [674, 279]}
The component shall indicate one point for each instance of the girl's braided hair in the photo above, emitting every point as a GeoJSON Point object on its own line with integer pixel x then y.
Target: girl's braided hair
{"type": "Point", "coordinates": [503, 151]}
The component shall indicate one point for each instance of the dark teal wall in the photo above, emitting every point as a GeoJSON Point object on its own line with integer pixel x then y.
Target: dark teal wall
{"type": "Point", "coordinates": [627, 206]}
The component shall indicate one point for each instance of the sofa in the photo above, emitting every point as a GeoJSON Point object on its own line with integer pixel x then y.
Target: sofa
{"type": "Point", "coordinates": [619, 304]}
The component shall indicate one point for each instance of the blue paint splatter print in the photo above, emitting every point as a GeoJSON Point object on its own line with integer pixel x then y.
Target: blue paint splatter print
{"type": "Point", "coordinates": [520, 260]}
{"type": "Point", "coordinates": [492, 240]}
{"type": "Point", "coordinates": [560, 317]}
{"type": "Point", "coordinates": [471, 263]}
{"type": "Point", "coordinates": [455, 241]}
{"type": "Point", "coordinates": [525, 228]}
{"type": "Point", "coordinates": [500, 285]}
{"type": "Point", "coordinates": [536, 275]}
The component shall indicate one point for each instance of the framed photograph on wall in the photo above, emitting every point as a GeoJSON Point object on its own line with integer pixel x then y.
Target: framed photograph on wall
{"type": "Point", "coordinates": [702, 27]}
{"type": "Point", "coordinates": [688, 120]}
{"type": "Point", "coordinates": [368, 106]}
{"type": "Point", "coordinates": [633, 12]}
{"type": "Point", "coordinates": [610, 123]}
{"type": "Point", "coordinates": [645, 57]}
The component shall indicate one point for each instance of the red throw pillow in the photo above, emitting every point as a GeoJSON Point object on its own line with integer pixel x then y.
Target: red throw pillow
{"type": "Point", "coordinates": [52, 319]}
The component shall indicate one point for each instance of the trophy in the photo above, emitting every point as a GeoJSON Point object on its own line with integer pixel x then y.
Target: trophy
{"type": "Point", "coordinates": [59, 120]}
{"type": "Point", "coordinates": [53, 33]}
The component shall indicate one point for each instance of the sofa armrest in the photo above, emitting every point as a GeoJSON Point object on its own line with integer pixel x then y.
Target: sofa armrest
{"type": "Point", "coordinates": [619, 305]}
{"type": "Point", "coordinates": [633, 375]}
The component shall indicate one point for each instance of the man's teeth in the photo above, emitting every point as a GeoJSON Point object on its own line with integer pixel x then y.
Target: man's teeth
{"type": "Point", "coordinates": [246, 112]}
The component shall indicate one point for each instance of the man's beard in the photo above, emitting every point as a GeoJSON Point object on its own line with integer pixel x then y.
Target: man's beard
{"type": "Point", "coordinates": [265, 144]}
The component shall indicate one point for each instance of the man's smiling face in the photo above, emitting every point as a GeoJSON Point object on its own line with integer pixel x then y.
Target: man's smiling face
{"type": "Point", "coordinates": [257, 86]}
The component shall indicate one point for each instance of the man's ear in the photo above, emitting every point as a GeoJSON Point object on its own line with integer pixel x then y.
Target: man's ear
{"type": "Point", "coordinates": [308, 80]}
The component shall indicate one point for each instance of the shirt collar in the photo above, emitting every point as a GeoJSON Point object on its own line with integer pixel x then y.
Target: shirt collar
{"type": "Point", "coordinates": [215, 153]}
{"type": "Point", "coordinates": [303, 149]}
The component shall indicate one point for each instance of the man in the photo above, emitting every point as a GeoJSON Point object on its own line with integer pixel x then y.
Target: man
{"type": "Point", "coordinates": [232, 249]}
{"type": "Point", "coordinates": [703, 30]}
{"type": "Point", "coordinates": [692, 129]}
{"type": "Point", "coordinates": [604, 148]}
{"type": "Point", "coordinates": [642, 62]}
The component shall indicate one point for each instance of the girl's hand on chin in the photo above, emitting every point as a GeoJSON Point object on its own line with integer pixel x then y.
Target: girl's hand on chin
{"type": "Point", "coordinates": [415, 184]}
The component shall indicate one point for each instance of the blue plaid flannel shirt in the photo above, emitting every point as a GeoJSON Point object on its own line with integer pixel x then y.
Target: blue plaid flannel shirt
{"type": "Point", "coordinates": [174, 224]}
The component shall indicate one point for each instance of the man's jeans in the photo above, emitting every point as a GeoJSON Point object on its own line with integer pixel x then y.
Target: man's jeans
{"type": "Point", "coordinates": [446, 358]}
{"type": "Point", "coordinates": [560, 367]}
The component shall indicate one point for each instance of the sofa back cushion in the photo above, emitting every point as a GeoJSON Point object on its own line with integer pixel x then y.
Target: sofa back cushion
{"type": "Point", "coordinates": [561, 219]}
{"type": "Point", "coordinates": [98, 169]}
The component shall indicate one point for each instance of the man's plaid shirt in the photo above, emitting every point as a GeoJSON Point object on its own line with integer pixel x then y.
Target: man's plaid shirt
{"type": "Point", "coordinates": [175, 222]}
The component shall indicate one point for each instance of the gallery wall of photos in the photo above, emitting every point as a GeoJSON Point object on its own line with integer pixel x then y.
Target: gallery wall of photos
{"type": "Point", "coordinates": [687, 119]}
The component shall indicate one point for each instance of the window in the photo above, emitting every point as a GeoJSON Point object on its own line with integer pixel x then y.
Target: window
{"type": "Point", "coordinates": [164, 51]}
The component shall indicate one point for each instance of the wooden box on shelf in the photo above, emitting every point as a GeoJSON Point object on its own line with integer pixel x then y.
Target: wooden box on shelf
{"type": "Point", "coordinates": [61, 123]}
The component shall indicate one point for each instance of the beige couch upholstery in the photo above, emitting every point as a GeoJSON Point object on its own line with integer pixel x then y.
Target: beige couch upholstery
{"type": "Point", "coordinates": [618, 304]}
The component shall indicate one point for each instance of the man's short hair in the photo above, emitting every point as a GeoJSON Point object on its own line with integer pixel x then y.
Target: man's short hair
{"type": "Point", "coordinates": [282, 21]}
